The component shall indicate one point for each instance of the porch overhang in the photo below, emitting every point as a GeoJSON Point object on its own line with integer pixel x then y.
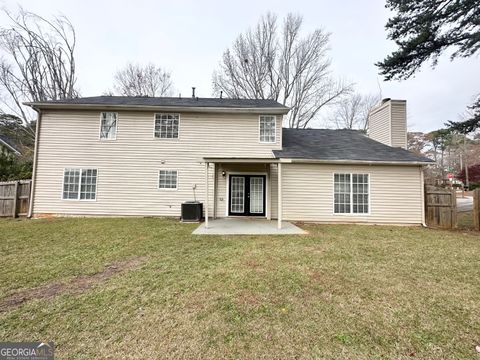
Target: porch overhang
{"type": "Point", "coordinates": [238, 160]}
{"type": "Point", "coordinates": [218, 161]}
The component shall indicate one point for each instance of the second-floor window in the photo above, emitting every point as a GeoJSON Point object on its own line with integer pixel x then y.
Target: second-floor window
{"type": "Point", "coordinates": [166, 126]}
{"type": "Point", "coordinates": [267, 128]}
{"type": "Point", "coordinates": [108, 126]}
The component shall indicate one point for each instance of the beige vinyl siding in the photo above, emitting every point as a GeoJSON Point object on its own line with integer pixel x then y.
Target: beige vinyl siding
{"type": "Point", "coordinates": [379, 124]}
{"type": "Point", "coordinates": [395, 193]}
{"type": "Point", "coordinates": [399, 124]}
{"type": "Point", "coordinates": [274, 191]}
{"type": "Point", "coordinates": [128, 167]}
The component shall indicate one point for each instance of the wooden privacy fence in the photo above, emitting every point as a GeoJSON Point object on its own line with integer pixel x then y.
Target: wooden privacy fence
{"type": "Point", "coordinates": [476, 209]}
{"type": "Point", "coordinates": [14, 198]}
{"type": "Point", "coordinates": [440, 207]}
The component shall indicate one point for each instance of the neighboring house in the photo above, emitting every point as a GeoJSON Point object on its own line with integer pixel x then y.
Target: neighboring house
{"type": "Point", "coordinates": [144, 156]}
{"type": "Point", "coordinates": [7, 146]}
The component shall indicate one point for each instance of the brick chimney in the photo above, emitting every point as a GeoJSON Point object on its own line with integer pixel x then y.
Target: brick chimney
{"type": "Point", "coordinates": [387, 123]}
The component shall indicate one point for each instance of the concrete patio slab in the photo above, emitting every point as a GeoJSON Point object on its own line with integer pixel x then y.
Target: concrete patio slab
{"type": "Point", "coordinates": [247, 226]}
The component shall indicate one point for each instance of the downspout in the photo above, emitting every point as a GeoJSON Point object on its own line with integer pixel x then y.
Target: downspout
{"type": "Point", "coordinates": [35, 160]}
{"type": "Point", "coordinates": [422, 191]}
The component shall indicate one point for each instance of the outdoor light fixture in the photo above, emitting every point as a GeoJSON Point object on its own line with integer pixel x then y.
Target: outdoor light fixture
{"type": "Point", "coordinates": [224, 174]}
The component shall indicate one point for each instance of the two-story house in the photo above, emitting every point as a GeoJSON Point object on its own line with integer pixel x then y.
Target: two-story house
{"type": "Point", "coordinates": [144, 156]}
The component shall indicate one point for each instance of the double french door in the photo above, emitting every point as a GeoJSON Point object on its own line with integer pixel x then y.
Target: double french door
{"type": "Point", "coordinates": [246, 195]}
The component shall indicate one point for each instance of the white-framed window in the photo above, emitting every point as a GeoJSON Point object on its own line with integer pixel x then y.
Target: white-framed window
{"type": "Point", "coordinates": [267, 128]}
{"type": "Point", "coordinates": [342, 201]}
{"type": "Point", "coordinates": [166, 126]}
{"type": "Point", "coordinates": [360, 193]}
{"type": "Point", "coordinates": [79, 184]}
{"type": "Point", "coordinates": [168, 179]}
{"type": "Point", "coordinates": [71, 183]}
{"type": "Point", "coordinates": [108, 126]}
{"type": "Point", "coordinates": [351, 194]}
{"type": "Point", "coordinates": [88, 184]}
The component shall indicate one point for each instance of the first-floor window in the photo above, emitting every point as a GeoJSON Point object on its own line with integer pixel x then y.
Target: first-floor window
{"type": "Point", "coordinates": [351, 194]}
{"type": "Point", "coordinates": [71, 181]}
{"type": "Point", "coordinates": [79, 184]}
{"type": "Point", "coordinates": [88, 184]}
{"type": "Point", "coordinates": [167, 179]}
{"type": "Point", "coordinates": [360, 193]}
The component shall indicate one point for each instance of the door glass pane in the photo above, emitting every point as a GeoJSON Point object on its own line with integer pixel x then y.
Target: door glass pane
{"type": "Point", "coordinates": [256, 195]}
{"type": "Point", "coordinates": [238, 194]}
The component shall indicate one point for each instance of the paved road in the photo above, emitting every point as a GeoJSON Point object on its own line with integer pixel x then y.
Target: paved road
{"type": "Point", "coordinates": [465, 204]}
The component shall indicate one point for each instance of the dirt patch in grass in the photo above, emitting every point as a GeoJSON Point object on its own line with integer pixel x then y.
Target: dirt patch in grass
{"type": "Point", "coordinates": [77, 285]}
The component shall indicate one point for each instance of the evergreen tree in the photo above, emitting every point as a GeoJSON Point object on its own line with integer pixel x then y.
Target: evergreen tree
{"type": "Point", "coordinates": [424, 29]}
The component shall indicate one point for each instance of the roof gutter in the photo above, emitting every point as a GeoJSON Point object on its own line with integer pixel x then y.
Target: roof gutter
{"type": "Point", "coordinates": [353, 162]}
{"type": "Point", "coordinates": [311, 161]}
{"type": "Point", "coordinates": [196, 109]}
{"type": "Point", "coordinates": [35, 161]}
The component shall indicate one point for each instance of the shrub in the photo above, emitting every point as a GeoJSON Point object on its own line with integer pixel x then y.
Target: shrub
{"type": "Point", "coordinates": [14, 168]}
{"type": "Point", "coordinates": [474, 186]}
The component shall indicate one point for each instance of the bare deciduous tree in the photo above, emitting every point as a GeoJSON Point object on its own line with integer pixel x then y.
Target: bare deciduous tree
{"type": "Point", "coordinates": [417, 142]}
{"type": "Point", "coordinates": [265, 63]}
{"type": "Point", "coordinates": [148, 80]}
{"type": "Point", "coordinates": [38, 62]}
{"type": "Point", "coordinates": [352, 111]}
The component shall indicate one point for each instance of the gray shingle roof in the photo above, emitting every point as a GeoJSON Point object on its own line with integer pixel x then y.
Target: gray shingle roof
{"type": "Point", "coordinates": [335, 145]}
{"type": "Point", "coordinates": [170, 102]}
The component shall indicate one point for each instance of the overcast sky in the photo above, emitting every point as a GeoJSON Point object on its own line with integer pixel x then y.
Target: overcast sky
{"type": "Point", "coordinates": [189, 37]}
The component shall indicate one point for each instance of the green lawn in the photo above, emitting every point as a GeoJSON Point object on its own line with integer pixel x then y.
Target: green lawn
{"type": "Point", "coordinates": [350, 292]}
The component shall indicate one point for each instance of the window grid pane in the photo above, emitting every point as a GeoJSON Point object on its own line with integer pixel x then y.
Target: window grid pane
{"type": "Point", "coordinates": [167, 179]}
{"type": "Point", "coordinates": [88, 188]}
{"type": "Point", "coordinates": [71, 179]}
{"type": "Point", "coordinates": [341, 187]}
{"type": "Point", "coordinates": [108, 127]}
{"type": "Point", "coordinates": [360, 193]}
{"type": "Point", "coordinates": [166, 126]}
{"type": "Point", "coordinates": [267, 128]}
